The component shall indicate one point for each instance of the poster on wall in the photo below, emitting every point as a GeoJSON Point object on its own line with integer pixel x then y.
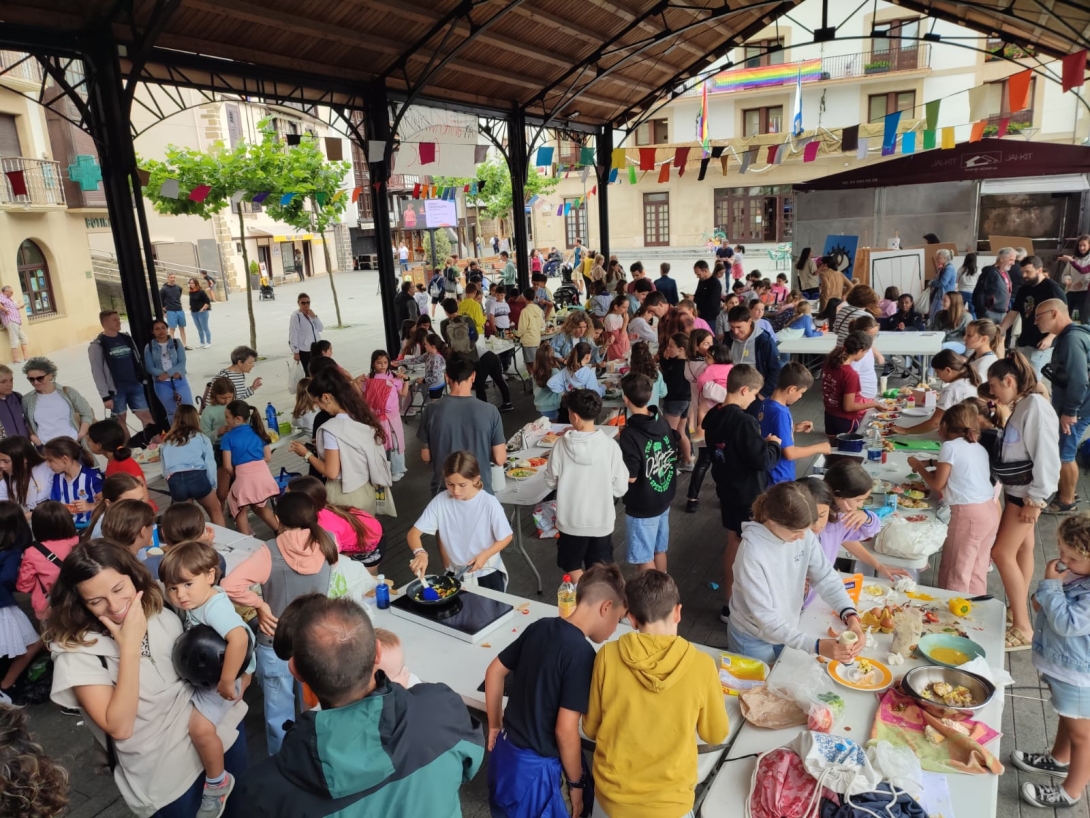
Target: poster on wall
{"type": "Point", "coordinates": [842, 250]}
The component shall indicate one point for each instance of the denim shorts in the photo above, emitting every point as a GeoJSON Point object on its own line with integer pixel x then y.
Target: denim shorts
{"type": "Point", "coordinates": [1069, 444]}
{"type": "Point", "coordinates": [189, 485]}
{"type": "Point", "coordinates": [746, 645]}
{"type": "Point", "coordinates": [1068, 700]}
{"type": "Point", "coordinates": [175, 318]}
{"type": "Point", "coordinates": [646, 537]}
{"type": "Point", "coordinates": [675, 408]}
{"type": "Point", "coordinates": [129, 397]}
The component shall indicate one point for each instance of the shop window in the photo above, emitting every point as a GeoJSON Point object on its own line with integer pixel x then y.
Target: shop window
{"type": "Point", "coordinates": [656, 219]}
{"type": "Point", "coordinates": [653, 132]}
{"type": "Point", "coordinates": [35, 280]}
{"type": "Point", "coordinates": [575, 223]}
{"type": "Point", "coordinates": [881, 105]}
{"type": "Point", "coordinates": [757, 121]}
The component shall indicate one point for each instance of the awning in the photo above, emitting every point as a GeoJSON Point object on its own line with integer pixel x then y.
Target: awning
{"type": "Point", "coordinates": [988, 159]}
{"type": "Point", "coordinates": [1067, 183]}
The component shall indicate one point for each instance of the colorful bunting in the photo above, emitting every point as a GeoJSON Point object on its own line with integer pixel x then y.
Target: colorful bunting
{"type": "Point", "coordinates": [908, 143]}
{"type": "Point", "coordinates": [427, 152]}
{"type": "Point", "coordinates": [567, 208]}
{"type": "Point", "coordinates": [681, 156]}
{"type": "Point", "coordinates": [560, 210]}
{"type": "Point", "coordinates": [948, 140]}
{"type": "Point", "coordinates": [747, 159]}
{"type": "Point", "coordinates": [17, 180]}
{"type": "Point", "coordinates": [849, 139]}
{"type": "Point", "coordinates": [613, 174]}
{"type": "Point", "coordinates": [481, 185]}
{"type": "Point", "coordinates": [724, 159]}
{"type": "Point", "coordinates": [593, 190]}
{"type": "Point", "coordinates": [169, 189]}
{"type": "Point", "coordinates": [1074, 70]}
{"type": "Point", "coordinates": [144, 177]}
{"type": "Point", "coordinates": [261, 197]}
{"type": "Point", "coordinates": [889, 133]}
{"type": "Point", "coordinates": [618, 159]}
{"type": "Point", "coordinates": [586, 156]}
{"type": "Point", "coordinates": [647, 158]}
{"type": "Point", "coordinates": [321, 198]}
{"type": "Point", "coordinates": [985, 101]}
{"type": "Point", "coordinates": [631, 174]}
{"type": "Point", "coordinates": [356, 194]}
{"type": "Point", "coordinates": [664, 173]}
{"type": "Point", "coordinates": [810, 152]}
{"type": "Point", "coordinates": [473, 188]}
{"type": "Point", "coordinates": [544, 157]}
{"type": "Point", "coordinates": [1018, 90]}
{"type": "Point", "coordinates": [338, 195]}
{"type": "Point", "coordinates": [435, 191]}
{"type": "Point", "coordinates": [416, 191]}
{"type": "Point", "coordinates": [932, 109]}
{"type": "Point", "coordinates": [237, 196]}
{"type": "Point", "coordinates": [717, 151]}
{"type": "Point", "coordinates": [286, 198]}
{"type": "Point", "coordinates": [928, 140]}
{"type": "Point", "coordinates": [334, 148]}
{"type": "Point", "coordinates": [199, 193]}
{"type": "Point", "coordinates": [1004, 123]}
{"type": "Point", "coordinates": [861, 147]}
{"type": "Point", "coordinates": [703, 168]}
{"type": "Point", "coordinates": [773, 150]}
{"type": "Point", "coordinates": [584, 173]}
{"type": "Point", "coordinates": [781, 154]}
{"type": "Point", "coordinates": [977, 132]}
{"type": "Point", "coordinates": [480, 153]}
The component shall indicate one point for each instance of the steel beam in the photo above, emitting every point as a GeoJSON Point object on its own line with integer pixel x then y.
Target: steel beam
{"type": "Point", "coordinates": [605, 163]}
{"type": "Point", "coordinates": [376, 115]}
{"type": "Point", "coordinates": [518, 161]}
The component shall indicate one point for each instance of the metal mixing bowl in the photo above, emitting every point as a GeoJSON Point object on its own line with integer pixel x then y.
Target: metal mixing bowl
{"type": "Point", "coordinates": [917, 680]}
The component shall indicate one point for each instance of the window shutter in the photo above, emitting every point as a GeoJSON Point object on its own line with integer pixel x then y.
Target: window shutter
{"type": "Point", "coordinates": [9, 137]}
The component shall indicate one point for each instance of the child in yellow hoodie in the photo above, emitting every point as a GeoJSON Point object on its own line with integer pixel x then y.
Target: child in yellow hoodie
{"type": "Point", "coordinates": [649, 691]}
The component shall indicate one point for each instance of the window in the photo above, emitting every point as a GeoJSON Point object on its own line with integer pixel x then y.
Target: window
{"type": "Point", "coordinates": [34, 279]}
{"type": "Point", "coordinates": [896, 45]}
{"type": "Point", "coordinates": [575, 223]}
{"type": "Point", "coordinates": [758, 53]}
{"type": "Point", "coordinates": [880, 105]}
{"type": "Point", "coordinates": [9, 137]}
{"type": "Point", "coordinates": [656, 219]}
{"type": "Point", "coordinates": [758, 121]}
{"type": "Point", "coordinates": [1020, 120]}
{"type": "Point", "coordinates": [365, 203]}
{"type": "Point", "coordinates": [569, 153]}
{"type": "Point", "coordinates": [998, 50]}
{"type": "Point", "coordinates": [653, 132]}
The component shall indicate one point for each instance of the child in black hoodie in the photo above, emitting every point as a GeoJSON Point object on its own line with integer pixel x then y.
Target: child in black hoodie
{"type": "Point", "coordinates": [649, 447]}
{"type": "Point", "coordinates": [741, 460]}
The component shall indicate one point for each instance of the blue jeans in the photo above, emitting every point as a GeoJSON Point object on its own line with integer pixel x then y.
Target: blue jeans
{"type": "Point", "coordinates": [166, 390]}
{"type": "Point", "coordinates": [646, 537]}
{"type": "Point", "coordinates": [746, 645]}
{"type": "Point", "coordinates": [235, 762]}
{"type": "Point", "coordinates": [201, 320]}
{"type": "Point", "coordinates": [278, 688]}
{"type": "Point", "coordinates": [189, 485]}
{"type": "Point", "coordinates": [1037, 357]}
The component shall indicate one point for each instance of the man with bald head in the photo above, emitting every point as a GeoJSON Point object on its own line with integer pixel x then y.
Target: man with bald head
{"type": "Point", "coordinates": [1037, 288]}
{"type": "Point", "coordinates": [374, 748]}
{"type": "Point", "coordinates": [1070, 391]}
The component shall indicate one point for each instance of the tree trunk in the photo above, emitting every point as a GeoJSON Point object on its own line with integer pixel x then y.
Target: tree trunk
{"type": "Point", "coordinates": [329, 272]}
{"type": "Point", "coordinates": [249, 286]}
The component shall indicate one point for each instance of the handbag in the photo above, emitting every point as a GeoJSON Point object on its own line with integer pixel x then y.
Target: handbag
{"type": "Point", "coordinates": [1013, 473]}
{"type": "Point", "coordinates": [396, 457]}
{"type": "Point", "coordinates": [384, 501]}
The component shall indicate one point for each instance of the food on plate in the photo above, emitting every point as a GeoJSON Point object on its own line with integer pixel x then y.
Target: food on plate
{"type": "Point", "coordinates": [917, 485]}
{"type": "Point", "coordinates": [861, 672]}
{"type": "Point", "coordinates": [550, 439]}
{"type": "Point", "coordinates": [887, 415]}
{"type": "Point", "coordinates": [946, 693]}
{"type": "Point", "coordinates": [521, 473]}
{"type": "Point", "coordinates": [882, 487]}
{"type": "Point", "coordinates": [935, 737]}
{"type": "Point", "coordinates": [911, 502]}
{"type": "Point", "coordinates": [915, 493]}
{"type": "Point", "coordinates": [916, 518]}
{"type": "Point", "coordinates": [949, 656]}
{"type": "Point", "coordinates": [536, 462]}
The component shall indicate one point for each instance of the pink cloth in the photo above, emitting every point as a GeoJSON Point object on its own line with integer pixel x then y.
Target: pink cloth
{"type": "Point", "coordinates": [700, 323]}
{"type": "Point", "coordinates": [302, 556]}
{"type": "Point", "coordinates": [11, 313]}
{"type": "Point", "coordinates": [37, 574]}
{"type": "Point", "coordinates": [712, 372]}
{"type": "Point", "coordinates": [888, 308]}
{"type": "Point", "coordinates": [345, 535]}
{"type": "Point", "coordinates": [967, 550]}
{"type": "Point", "coordinates": [391, 424]}
{"type": "Point", "coordinates": [253, 486]}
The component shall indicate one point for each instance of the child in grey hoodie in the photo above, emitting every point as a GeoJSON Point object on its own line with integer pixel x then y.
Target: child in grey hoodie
{"type": "Point", "coordinates": [779, 553]}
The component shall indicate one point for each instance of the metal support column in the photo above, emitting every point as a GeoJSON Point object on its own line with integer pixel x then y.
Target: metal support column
{"type": "Point", "coordinates": [109, 121]}
{"type": "Point", "coordinates": [377, 129]}
{"type": "Point", "coordinates": [604, 140]}
{"type": "Point", "coordinates": [517, 164]}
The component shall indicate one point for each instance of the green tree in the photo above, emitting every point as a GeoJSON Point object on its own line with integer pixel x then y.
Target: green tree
{"type": "Point", "coordinates": [497, 199]}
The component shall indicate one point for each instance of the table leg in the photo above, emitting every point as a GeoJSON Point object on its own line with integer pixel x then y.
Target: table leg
{"type": "Point", "coordinates": [517, 522]}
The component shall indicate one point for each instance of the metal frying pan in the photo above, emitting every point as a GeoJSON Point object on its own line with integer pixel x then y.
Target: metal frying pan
{"type": "Point", "coordinates": [442, 583]}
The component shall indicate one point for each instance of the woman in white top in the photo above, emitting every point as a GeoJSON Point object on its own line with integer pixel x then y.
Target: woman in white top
{"type": "Point", "coordinates": [53, 410]}
{"type": "Point", "coordinates": [1077, 278]}
{"type": "Point", "coordinates": [25, 477]}
{"type": "Point", "coordinates": [961, 382]}
{"type": "Point", "coordinates": [351, 444]}
{"type": "Point", "coordinates": [983, 345]}
{"type": "Point", "coordinates": [967, 277]}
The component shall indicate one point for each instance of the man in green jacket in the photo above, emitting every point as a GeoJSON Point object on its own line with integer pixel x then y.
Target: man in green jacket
{"type": "Point", "coordinates": [374, 748]}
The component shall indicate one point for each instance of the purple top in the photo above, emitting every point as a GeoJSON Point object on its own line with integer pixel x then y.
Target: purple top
{"type": "Point", "coordinates": [836, 533]}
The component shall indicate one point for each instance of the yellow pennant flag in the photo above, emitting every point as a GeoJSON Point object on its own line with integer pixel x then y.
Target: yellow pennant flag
{"type": "Point", "coordinates": [948, 138]}
{"type": "Point", "coordinates": [619, 160]}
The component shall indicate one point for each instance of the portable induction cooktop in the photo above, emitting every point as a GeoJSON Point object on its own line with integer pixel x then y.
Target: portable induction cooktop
{"type": "Point", "coordinates": [469, 617]}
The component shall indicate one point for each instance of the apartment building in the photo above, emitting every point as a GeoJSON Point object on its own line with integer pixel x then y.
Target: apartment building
{"type": "Point", "coordinates": [856, 79]}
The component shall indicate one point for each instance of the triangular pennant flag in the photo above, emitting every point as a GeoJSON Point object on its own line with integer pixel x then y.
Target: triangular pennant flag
{"type": "Point", "coordinates": [889, 133]}
{"type": "Point", "coordinates": [260, 197]}
{"type": "Point", "coordinates": [703, 168]}
{"type": "Point", "coordinates": [932, 109]}
{"type": "Point", "coordinates": [908, 143]}
{"type": "Point", "coordinates": [416, 191]}
{"type": "Point", "coordinates": [533, 199]}
{"type": "Point", "coordinates": [293, 139]}
{"type": "Point", "coordinates": [586, 156]}
{"type": "Point", "coordinates": [985, 101]}
{"type": "Point", "coordinates": [376, 150]}
{"type": "Point", "coordinates": [578, 203]}
{"type": "Point", "coordinates": [928, 140]}
{"type": "Point", "coordinates": [717, 151]}
{"type": "Point", "coordinates": [1004, 124]}
{"type": "Point", "coordinates": [144, 177]}
{"type": "Point", "coordinates": [593, 190]}
{"type": "Point", "coordinates": [473, 190]}
{"type": "Point", "coordinates": [724, 160]}
{"type": "Point", "coordinates": [849, 139]}
{"type": "Point", "coordinates": [356, 194]}
{"type": "Point", "coordinates": [681, 157]}
{"type": "Point", "coordinates": [435, 191]}
{"type": "Point", "coordinates": [321, 198]}
{"type": "Point", "coordinates": [480, 153]}
{"type": "Point", "coordinates": [544, 157]}
{"type": "Point", "coordinates": [338, 195]}
{"type": "Point", "coordinates": [465, 188]}
{"type": "Point", "coordinates": [747, 158]}
{"type": "Point", "coordinates": [861, 148]}
{"type": "Point", "coordinates": [1074, 70]}
{"type": "Point", "coordinates": [613, 174]}
{"type": "Point", "coordinates": [810, 152]}
{"type": "Point", "coordinates": [17, 180]}
{"type": "Point", "coordinates": [427, 152]}
{"type": "Point", "coordinates": [584, 173]}
{"type": "Point", "coordinates": [481, 186]}
{"type": "Point", "coordinates": [567, 208]}
{"type": "Point", "coordinates": [664, 173]}
{"type": "Point", "coordinates": [948, 140]}
{"type": "Point", "coordinates": [977, 132]}
{"type": "Point", "coordinates": [631, 174]}
{"type": "Point", "coordinates": [560, 210]}
{"type": "Point", "coordinates": [781, 154]}
{"type": "Point", "coordinates": [334, 148]}
{"type": "Point", "coordinates": [286, 198]}
{"type": "Point", "coordinates": [617, 157]}
{"type": "Point", "coordinates": [772, 151]}
{"type": "Point", "coordinates": [1018, 91]}
{"type": "Point", "coordinates": [169, 189]}
{"type": "Point", "coordinates": [200, 193]}
{"type": "Point", "coordinates": [647, 158]}
{"type": "Point", "coordinates": [237, 196]}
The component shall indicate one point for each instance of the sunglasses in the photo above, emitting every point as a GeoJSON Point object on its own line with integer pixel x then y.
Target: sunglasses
{"type": "Point", "coordinates": [304, 303]}
{"type": "Point", "coordinates": [37, 379]}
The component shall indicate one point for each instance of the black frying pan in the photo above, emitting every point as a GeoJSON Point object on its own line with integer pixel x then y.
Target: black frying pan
{"type": "Point", "coordinates": [443, 583]}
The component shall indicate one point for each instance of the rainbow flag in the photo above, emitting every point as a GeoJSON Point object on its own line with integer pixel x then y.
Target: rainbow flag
{"type": "Point", "coordinates": [766, 76]}
{"type": "Point", "coordinates": [702, 135]}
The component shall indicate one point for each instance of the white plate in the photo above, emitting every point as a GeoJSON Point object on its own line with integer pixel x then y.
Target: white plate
{"type": "Point", "coordinates": [916, 412]}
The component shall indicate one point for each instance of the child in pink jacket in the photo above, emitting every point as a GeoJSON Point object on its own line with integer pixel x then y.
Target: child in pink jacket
{"type": "Point", "coordinates": [54, 539]}
{"type": "Point", "coordinates": [717, 370]}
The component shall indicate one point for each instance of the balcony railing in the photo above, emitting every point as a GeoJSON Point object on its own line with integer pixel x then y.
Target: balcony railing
{"type": "Point", "coordinates": [818, 69]}
{"type": "Point", "coordinates": [42, 180]}
{"type": "Point", "coordinates": [29, 69]}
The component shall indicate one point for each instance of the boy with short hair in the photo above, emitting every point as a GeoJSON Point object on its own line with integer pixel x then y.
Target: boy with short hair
{"type": "Point", "coordinates": [775, 419]}
{"type": "Point", "coordinates": [594, 476]}
{"type": "Point", "coordinates": [741, 461]}
{"type": "Point", "coordinates": [530, 325]}
{"type": "Point", "coordinates": [536, 740]}
{"type": "Point", "coordinates": [541, 295]}
{"type": "Point", "coordinates": [649, 447]}
{"type": "Point", "coordinates": [649, 693]}
{"type": "Point", "coordinates": [666, 285]}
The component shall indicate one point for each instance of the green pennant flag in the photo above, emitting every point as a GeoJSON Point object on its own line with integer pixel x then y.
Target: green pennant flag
{"type": "Point", "coordinates": [586, 156]}
{"type": "Point", "coordinates": [321, 197]}
{"type": "Point", "coordinates": [932, 109]}
{"type": "Point", "coordinates": [928, 140]}
{"type": "Point", "coordinates": [631, 174]}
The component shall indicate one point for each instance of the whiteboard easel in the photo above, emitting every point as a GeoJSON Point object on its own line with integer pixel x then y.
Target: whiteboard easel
{"type": "Point", "coordinates": [902, 269]}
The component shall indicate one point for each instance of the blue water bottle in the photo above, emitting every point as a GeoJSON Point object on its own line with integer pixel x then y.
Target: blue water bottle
{"type": "Point", "coordinates": [382, 593]}
{"type": "Point", "coordinates": [270, 418]}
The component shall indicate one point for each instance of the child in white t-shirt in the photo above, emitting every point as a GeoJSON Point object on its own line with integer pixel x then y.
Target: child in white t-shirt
{"type": "Point", "coordinates": [468, 523]}
{"type": "Point", "coordinates": [961, 473]}
{"type": "Point", "coordinates": [961, 381]}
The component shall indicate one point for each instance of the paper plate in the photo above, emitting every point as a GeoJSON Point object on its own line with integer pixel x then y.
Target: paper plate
{"type": "Point", "coordinates": [883, 676]}
{"type": "Point", "coordinates": [917, 412]}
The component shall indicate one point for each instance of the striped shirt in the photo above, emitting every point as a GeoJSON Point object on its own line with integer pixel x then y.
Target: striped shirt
{"type": "Point", "coordinates": [85, 486]}
{"type": "Point", "coordinates": [238, 380]}
{"type": "Point", "coordinates": [11, 313]}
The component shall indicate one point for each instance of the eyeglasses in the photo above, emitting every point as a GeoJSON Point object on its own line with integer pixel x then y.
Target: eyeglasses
{"type": "Point", "coordinates": [304, 303]}
{"type": "Point", "coordinates": [36, 378]}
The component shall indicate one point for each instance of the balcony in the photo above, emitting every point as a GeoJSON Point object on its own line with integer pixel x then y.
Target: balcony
{"type": "Point", "coordinates": [42, 179]}
{"type": "Point", "coordinates": [25, 73]}
{"type": "Point", "coordinates": [819, 69]}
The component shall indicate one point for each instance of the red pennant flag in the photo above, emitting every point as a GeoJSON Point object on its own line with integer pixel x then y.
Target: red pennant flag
{"type": "Point", "coordinates": [664, 173]}
{"type": "Point", "coordinates": [1018, 90]}
{"type": "Point", "coordinates": [416, 191]}
{"type": "Point", "coordinates": [647, 158]}
{"type": "Point", "coordinates": [809, 153]}
{"type": "Point", "coordinates": [594, 190]}
{"type": "Point", "coordinates": [1074, 70]}
{"type": "Point", "coordinates": [772, 150]}
{"type": "Point", "coordinates": [427, 153]}
{"type": "Point", "coordinates": [200, 193]}
{"type": "Point", "coordinates": [17, 180]}
{"type": "Point", "coordinates": [465, 188]}
{"type": "Point", "coordinates": [356, 193]}
{"type": "Point", "coordinates": [1004, 123]}
{"type": "Point", "coordinates": [978, 131]}
{"type": "Point", "coordinates": [681, 156]}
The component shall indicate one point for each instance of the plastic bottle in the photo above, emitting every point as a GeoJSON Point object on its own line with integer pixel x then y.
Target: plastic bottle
{"type": "Point", "coordinates": [382, 593]}
{"type": "Point", "coordinates": [271, 423]}
{"type": "Point", "coordinates": [565, 597]}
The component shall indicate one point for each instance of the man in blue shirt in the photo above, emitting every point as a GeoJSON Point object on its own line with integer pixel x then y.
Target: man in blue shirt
{"type": "Point", "coordinates": [118, 371]}
{"type": "Point", "coordinates": [775, 419]}
{"type": "Point", "coordinates": [666, 285]}
{"type": "Point", "coordinates": [945, 280]}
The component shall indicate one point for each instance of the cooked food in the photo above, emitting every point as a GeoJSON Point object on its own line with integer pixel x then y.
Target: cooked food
{"type": "Point", "coordinates": [537, 462]}
{"type": "Point", "coordinates": [946, 693]}
{"type": "Point", "coordinates": [862, 672]}
{"type": "Point", "coordinates": [887, 415]}
{"type": "Point", "coordinates": [549, 439]}
{"type": "Point", "coordinates": [916, 494]}
{"type": "Point", "coordinates": [949, 656]}
{"type": "Point", "coordinates": [916, 518]}
{"type": "Point", "coordinates": [911, 502]}
{"type": "Point", "coordinates": [917, 485]}
{"type": "Point", "coordinates": [521, 474]}
{"type": "Point", "coordinates": [441, 589]}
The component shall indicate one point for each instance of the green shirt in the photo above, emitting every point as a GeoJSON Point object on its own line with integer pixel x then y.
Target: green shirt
{"type": "Point", "coordinates": [510, 273]}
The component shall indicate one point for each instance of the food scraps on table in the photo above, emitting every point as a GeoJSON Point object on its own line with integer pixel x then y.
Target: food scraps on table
{"type": "Point", "coordinates": [879, 618]}
{"type": "Point", "coordinates": [919, 596]}
{"type": "Point", "coordinates": [948, 694]}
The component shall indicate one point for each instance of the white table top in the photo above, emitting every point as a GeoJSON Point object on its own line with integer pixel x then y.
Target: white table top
{"type": "Point", "coordinates": [234, 546]}
{"type": "Point", "coordinates": [971, 794]}
{"type": "Point", "coordinates": [532, 490]}
{"type": "Point", "coordinates": [890, 343]}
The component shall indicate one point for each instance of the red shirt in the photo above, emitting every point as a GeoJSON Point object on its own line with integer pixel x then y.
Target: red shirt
{"type": "Point", "coordinates": [836, 382]}
{"type": "Point", "coordinates": [129, 466]}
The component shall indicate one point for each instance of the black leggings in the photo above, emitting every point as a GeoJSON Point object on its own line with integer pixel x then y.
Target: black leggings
{"type": "Point", "coordinates": [489, 367]}
{"type": "Point", "coordinates": [700, 470]}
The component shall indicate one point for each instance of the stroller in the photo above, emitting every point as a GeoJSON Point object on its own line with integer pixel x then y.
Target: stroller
{"type": "Point", "coordinates": [565, 295]}
{"type": "Point", "coordinates": [267, 293]}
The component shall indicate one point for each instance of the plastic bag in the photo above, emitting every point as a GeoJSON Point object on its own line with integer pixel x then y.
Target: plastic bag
{"type": "Point", "coordinates": [897, 765]}
{"type": "Point", "coordinates": [910, 540]}
{"type": "Point", "coordinates": [739, 673]}
{"type": "Point", "coordinates": [295, 374]}
{"type": "Point", "coordinates": [805, 681]}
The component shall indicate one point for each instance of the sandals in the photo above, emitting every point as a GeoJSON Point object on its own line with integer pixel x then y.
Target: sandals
{"type": "Point", "coordinates": [1015, 640]}
{"type": "Point", "coordinates": [1056, 507]}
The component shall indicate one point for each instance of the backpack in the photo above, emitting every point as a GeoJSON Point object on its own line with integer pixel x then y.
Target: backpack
{"type": "Point", "coordinates": [49, 555]}
{"type": "Point", "coordinates": [460, 335]}
{"type": "Point", "coordinates": [435, 289]}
